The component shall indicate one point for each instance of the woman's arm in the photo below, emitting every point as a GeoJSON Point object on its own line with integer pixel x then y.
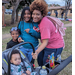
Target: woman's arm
{"type": "Point", "coordinates": [41, 47]}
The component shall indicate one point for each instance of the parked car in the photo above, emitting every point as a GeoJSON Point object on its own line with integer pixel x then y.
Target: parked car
{"type": "Point", "coordinates": [8, 11]}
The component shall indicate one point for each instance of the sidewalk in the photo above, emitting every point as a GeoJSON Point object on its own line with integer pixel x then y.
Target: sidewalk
{"type": "Point", "coordinates": [68, 25]}
{"type": "Point", "coordinates": [6, 36]}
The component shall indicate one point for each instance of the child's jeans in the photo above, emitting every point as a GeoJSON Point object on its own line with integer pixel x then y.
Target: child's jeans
{"type": "Point", "coordinates": [43, 55]}
{"type": "Point", "coordinates": [27, 52]}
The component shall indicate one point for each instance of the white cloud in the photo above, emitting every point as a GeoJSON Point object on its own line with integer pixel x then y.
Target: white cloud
{"type": "Point", "coordinates": [60, 2]}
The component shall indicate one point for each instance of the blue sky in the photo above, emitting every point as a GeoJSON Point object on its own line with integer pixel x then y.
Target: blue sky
{"type": "Point", "coordinates": [60, 2]}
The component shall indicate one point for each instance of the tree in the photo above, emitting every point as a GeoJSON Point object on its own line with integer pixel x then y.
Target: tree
{"type": "Point", "coordinates": [20, 6]}
{"type": "Point", "coordinates": [53, 5]}
{"type": "Point", "coordinates": [17, 5]}
{"type": "Point", "coordinates": [68, 3]}
{"type": "Point", "coordinates": [14, 10]}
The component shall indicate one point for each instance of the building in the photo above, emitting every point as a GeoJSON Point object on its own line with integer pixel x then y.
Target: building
{"type": "Point", "coordinates": [59, 9]}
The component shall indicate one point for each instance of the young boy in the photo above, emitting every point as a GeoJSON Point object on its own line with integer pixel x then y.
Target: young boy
{"type": "Point", "coordinates": [15, 34]}
{"type": "Point", "coordinates": [16, 64]}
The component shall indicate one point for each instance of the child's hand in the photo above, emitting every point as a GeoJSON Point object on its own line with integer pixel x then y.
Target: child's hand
{"type": "Point", "coordinates": [27, 30]}
{"type": "Point", "coordinates": [19, 39]}
{"type": "Point", "coordinates": [28, 72]}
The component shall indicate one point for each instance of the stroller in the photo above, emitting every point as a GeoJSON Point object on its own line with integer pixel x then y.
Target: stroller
{"type": "Point", "coordinates": [6, 62]}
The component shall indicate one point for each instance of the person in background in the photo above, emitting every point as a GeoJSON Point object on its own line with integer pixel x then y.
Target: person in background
{"type": "Point", "coordinates": [62, 14]}
{"type": "Point", "coordinates": [56, 13]}
{"type": "Point", "coordinates": [49, 13]}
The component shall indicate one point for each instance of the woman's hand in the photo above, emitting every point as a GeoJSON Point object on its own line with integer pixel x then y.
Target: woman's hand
{"type": "Point", "coordinates": [28, 72]}
{"type": "Point", "coordinates": [34, 55]}
{"type": "Point", "coordinates": [27, 30]}
{"type": "Point", "coordinates": [40, 48]}
{"type": "Point", "coordinates": [19, 39]}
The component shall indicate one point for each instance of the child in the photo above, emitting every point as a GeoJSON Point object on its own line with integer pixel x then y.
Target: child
{"type": "Point", "coordinates": [16, 64]}
{"type": "Point", "coordinates": [15, 34]}
{"type": "Point", "coordinates": [29, 32]}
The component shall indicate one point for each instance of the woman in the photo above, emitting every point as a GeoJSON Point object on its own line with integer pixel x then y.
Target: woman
{"type": "Point", "coordinates": [51, 40]}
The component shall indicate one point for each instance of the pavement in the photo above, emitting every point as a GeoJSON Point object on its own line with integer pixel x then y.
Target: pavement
{"type": "Point", "coordinates": [6, 36]}
{"type": "Point", "coordinates": [68, 25]}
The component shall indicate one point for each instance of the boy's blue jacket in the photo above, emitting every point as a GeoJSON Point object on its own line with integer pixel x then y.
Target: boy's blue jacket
{"type": "Point", "coordinates": [32, 36]}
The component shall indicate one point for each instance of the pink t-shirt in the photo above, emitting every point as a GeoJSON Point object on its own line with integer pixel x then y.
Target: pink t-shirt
{"type": "Point", "coordinates": [47, 30]}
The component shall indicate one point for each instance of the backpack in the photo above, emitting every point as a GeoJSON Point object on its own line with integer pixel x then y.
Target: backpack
{"type": "Point", "coordinates": [58, 24]}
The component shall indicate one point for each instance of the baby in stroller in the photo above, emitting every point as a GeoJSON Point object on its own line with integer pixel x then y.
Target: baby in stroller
{"type": "Point", "coordinates": [16, 64]}
{"type": "Point", "coordinates": [27, 67]}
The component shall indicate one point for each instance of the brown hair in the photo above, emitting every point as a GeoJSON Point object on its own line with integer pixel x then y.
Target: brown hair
{"type": "Point", "coordinates": [40, 5]}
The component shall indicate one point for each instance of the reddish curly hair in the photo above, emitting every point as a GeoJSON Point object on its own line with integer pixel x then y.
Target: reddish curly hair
{"type": "Point", "coordinates": [40, 5]}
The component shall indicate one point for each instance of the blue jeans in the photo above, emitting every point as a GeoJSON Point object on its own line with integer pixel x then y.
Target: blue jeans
{"type": "Point", "coordinates": [43, 55]}
{"type": "Point", "coordinates": [27, 52]}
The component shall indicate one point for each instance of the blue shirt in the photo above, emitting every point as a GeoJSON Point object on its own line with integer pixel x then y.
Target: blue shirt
{"type": "Point", "coordinates": [32, 36]}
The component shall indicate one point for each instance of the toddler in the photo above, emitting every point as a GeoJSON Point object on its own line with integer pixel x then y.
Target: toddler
{"type": "Point", "coordinates": [15, 34]}
{"type": "Point", "coordinates": [16, 64]}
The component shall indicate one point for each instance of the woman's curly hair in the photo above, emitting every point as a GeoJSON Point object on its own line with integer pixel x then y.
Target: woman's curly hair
{"type": "Point", "coordinates": [40, 5]}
